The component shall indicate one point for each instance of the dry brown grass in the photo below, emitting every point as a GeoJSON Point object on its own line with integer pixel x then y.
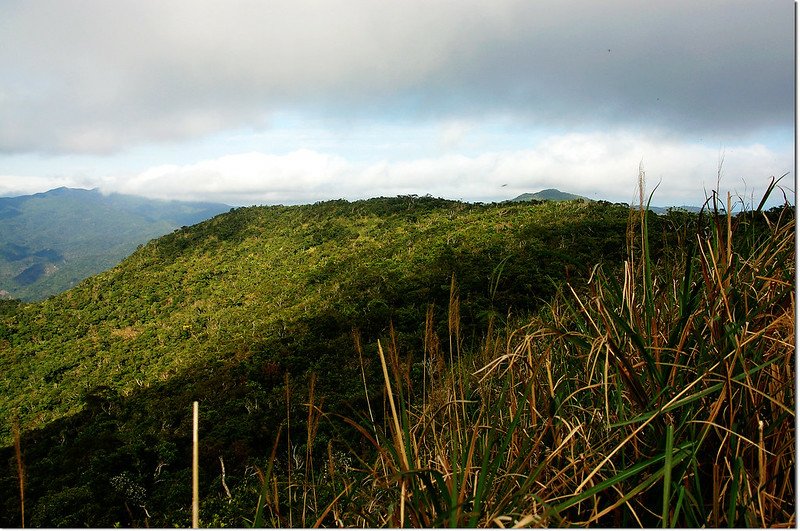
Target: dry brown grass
{"type": "Point", "coordinates": [662, 396]}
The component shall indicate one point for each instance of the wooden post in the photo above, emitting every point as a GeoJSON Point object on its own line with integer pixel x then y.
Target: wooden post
{"type": "Point", "coordinates": [20, 468]}
{"type": "Point", "coordinates": [195, 467]}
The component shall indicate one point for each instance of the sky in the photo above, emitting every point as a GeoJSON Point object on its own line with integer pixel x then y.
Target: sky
{"type": "Point", "coordinates": [297, 101]}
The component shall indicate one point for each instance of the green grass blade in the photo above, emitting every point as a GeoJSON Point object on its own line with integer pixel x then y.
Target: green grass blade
{"type": "Point", "coordinates": [738, 465]}
{"type": "Point", "coordinates": [667, 477]}
{"type": "Point", "coordinates": [693, 397]}
{"type": "Point", "coordinates": [491, 466]}
{"type": "Point", "coordinates": [632, 471]}
{"type": "Point", "coordinates": [677, 511]}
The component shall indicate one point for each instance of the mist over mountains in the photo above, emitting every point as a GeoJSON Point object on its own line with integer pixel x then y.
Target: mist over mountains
{"type": "Point", "coordinates": [51, 241]}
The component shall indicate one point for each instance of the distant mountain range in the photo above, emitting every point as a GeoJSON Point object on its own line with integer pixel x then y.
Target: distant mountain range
{"type": "Point", "coordinates": [552, 194]}
{"type": "Point", "coordinates": [51, 241]}
{"type": "Point", "coordinates": [663, 210]}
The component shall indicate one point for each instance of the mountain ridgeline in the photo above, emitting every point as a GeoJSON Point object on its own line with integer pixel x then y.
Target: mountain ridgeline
{"type": "Point", "coordinates": [235, 309]}
{"type": "Point", "coordinates": [51, 241]}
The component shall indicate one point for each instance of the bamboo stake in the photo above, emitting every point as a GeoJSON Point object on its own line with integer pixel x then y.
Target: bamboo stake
{"type": "Point", "coordinates": [195, 467]}
{"type": "Point", "coordinates": [288, 448]}
{"type": "Point", "coordinates": [20, 469]}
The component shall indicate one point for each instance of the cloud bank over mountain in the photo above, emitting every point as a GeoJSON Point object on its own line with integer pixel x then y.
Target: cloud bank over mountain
{"type": "Point", "coordinates": [105, 82]}
{"type": "Point", "coordinates": [585, 164]}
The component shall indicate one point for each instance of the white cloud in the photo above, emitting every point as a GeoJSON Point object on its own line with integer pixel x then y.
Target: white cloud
{"type": "Point", "coordinates": [601, 166]}
{"type": "Point", "coordinates": [452, 134]}
{"type": "Point", "coordinates": [244, 178]}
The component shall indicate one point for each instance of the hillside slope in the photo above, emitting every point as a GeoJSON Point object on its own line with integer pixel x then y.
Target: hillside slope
{"type": "Point", "coordinates": [51, 241]}
{"type": "Point", "coordinates": [240, 310]}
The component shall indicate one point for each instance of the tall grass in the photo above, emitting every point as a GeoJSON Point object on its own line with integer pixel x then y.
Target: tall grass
{"type": "Point", "coordinates": [697, 372]}
{"type": "Point", "coordinates": [659, 395]}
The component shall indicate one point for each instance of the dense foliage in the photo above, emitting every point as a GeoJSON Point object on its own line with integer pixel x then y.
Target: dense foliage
{"type": "Point", "coordinates": [272, 318]}
{"type": "Point", "coordinates": [224, 310]}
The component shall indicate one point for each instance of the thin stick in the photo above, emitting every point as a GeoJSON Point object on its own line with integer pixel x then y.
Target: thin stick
{"type": "Point", "coordinates": [195, 467]}
{"type": "Point", "coordinates": [20, 470]}
{"type": "Point", "coordinates": [288, 449]}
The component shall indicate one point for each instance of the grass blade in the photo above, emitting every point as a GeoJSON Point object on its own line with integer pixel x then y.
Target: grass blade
{"type": "Point", "coordinates": [667, 477]}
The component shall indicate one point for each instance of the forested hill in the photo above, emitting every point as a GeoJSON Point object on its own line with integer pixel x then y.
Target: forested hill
{"type": "Point", "coordinates": [51, 241]}
{"type": "Point", "coordinates": [234, 309]}
{"type": "Point", "coordinates": [551, 194]}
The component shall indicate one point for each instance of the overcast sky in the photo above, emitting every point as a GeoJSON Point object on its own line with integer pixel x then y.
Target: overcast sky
{"type": "Point", "coordinates": [297, 101]}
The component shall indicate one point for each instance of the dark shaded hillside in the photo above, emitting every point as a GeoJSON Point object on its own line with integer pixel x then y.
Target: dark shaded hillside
{"type": "Point", "coordinates": [51, 241]}
{"type": "Point", "coordinates": [231, 311]}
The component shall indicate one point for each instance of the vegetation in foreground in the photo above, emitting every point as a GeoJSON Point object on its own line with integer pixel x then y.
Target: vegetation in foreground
{"type": "Point", "coordinates": [662, 397]}
{"type": "Point", "coordinates": [658, 391]}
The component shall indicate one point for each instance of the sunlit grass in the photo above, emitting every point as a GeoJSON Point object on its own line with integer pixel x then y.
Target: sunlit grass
{"type": "Point", "coordinates": [659, 395]}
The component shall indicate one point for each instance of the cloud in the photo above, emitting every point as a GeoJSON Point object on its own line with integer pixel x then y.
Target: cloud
{"type": "Point", "coordinates": [91, 76]}
{"type": "Point", "coordinates": [597, 166]}
{"type": "Point", "coordinates": [453, 133]}
{"type": "Point", "coordinates": [15, 185]}
{"type": "Point", "coordinates": [245, 178]}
